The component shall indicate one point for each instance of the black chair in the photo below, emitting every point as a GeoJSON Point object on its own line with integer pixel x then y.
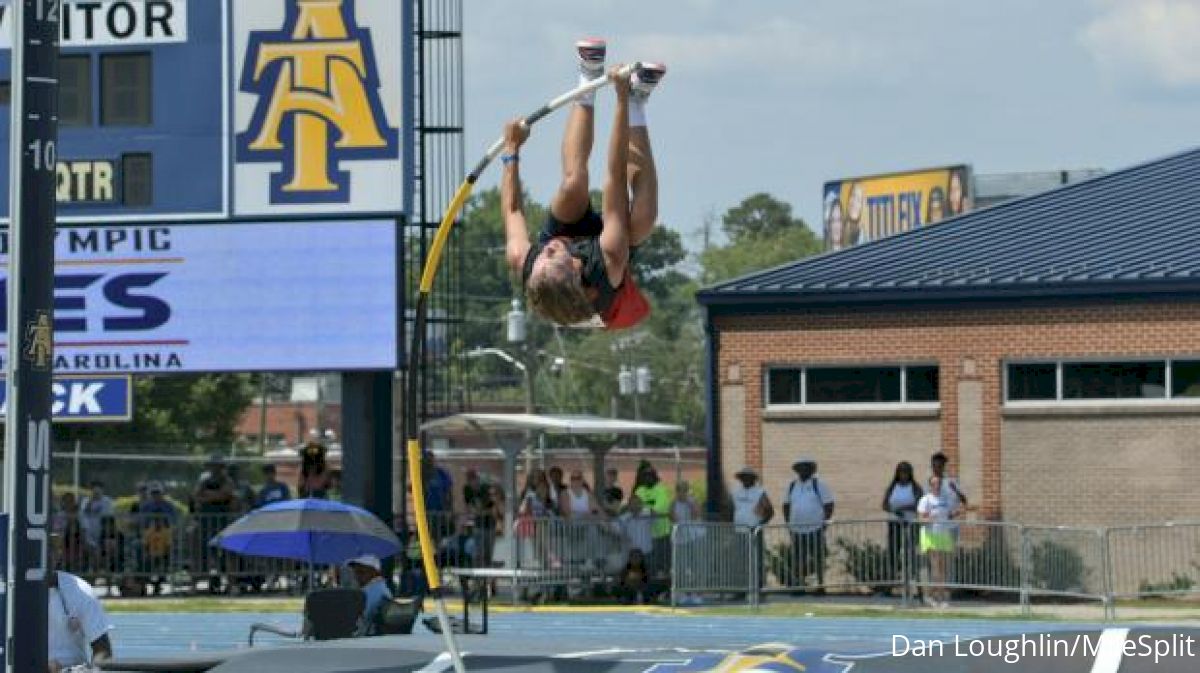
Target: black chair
{"type": "Point", "coordinates": [328, 614]}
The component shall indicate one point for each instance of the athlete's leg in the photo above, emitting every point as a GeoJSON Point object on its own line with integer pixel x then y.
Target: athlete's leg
{"type": "Point", "coordinates": [643, 176]}
{"type": "Point", "coordinates": [570, 202]}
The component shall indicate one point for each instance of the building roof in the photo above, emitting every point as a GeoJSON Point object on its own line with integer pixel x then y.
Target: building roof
{"type": "Point", "coordinates": [1130, 232]}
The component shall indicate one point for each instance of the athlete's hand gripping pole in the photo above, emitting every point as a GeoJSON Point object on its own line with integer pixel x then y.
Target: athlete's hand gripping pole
{"type": "Point", "coordinates": [415, 471]}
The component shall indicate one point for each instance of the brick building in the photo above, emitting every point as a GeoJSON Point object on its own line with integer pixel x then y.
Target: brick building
{"type": "Point", "coordinates": [1049, 345]}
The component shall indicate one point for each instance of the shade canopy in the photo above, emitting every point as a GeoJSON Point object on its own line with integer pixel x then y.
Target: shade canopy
{"type": "Point", "coordinates": [551, 424]}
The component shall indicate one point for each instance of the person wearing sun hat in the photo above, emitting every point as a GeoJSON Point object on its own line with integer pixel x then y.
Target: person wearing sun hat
{"type": "Point", "coordinates": [368, 574]}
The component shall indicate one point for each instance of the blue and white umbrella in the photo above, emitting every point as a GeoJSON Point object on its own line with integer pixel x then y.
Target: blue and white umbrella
{"type": "Point", "coordinates": [316, 531]}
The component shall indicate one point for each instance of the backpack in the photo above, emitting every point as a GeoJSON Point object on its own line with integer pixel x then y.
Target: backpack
{"type": "Point", "coordinates": [788, 500]}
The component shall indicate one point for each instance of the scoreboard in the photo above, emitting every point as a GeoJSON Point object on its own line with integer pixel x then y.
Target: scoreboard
{"type": "Point", "coordinates": [231, 178]}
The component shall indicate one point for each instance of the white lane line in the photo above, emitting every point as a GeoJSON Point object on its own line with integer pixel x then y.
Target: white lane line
{"type": "Point", "coordinates": [1109, 651]}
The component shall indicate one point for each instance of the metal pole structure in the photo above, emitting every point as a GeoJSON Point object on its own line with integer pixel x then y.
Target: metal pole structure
{"type": "Point", "coordinates": [262, 413]}
{"type": "Point", "coordinates": [29, 323]}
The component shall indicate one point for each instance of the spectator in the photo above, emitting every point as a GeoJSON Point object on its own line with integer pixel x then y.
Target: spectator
{"type": "Point", "coordinates": [656, 498]}
{"type": "Point", "coordinates": [243, 493]}
{"type": "Point", "coordinates": [752, 508]}
{"type": "Point", "coordinates": [555, 475]}
{"type": "Point", "coordinates": [484, 508]}
{"type": "Point", "coordinates": [439, 497]}
{"type": "Point", "coordinates": [214, 498]}
{"type": "Point", "coordinates": [70, 531]}
{"type": "Point", "coordinates": [92, 511]}
{"type": "Point", "coordinates": [576, 501]}
{"type": "Point", "coordinates": [536, 476]}
{"type": "Point", "coordinates": [367, 571]}
{"type": "Point", "coordinates": [935, 509]}
{"type": "Point", "coordinates": [637, 523]}
{"type": "Point", "coordinates": [685, 510]}
{"type": "Point", "coordinates": [536, 508]}
{"type": "Point", "coordinates": [937, 464]}
{"type": "Point", "coordinates": [78, 628]}
{"type": "Point", "coordinates": [272, 489]}
{"type": "Point", "coordinates": [143, 497]}
{"type": "Point", "coordinates": [807, 505]}
{"type": "Point", "coordinates": [335, 484]}
{"type": "Point", "coordinates": [612, 496]}
{"type": "Point", "coordinates": [314, 472]}
{"type": "Point", "coordinates": [633, 582]}
{"type": "Point", "coordinates": [158, 507]}
{"type": "Point", "coordinates": [156, 552]}
{"type": "Point", "coordinates": [900, 501]}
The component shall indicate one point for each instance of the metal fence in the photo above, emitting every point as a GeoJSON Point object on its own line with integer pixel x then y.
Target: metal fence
{"type": "Point", "coordinates": [972, 559]}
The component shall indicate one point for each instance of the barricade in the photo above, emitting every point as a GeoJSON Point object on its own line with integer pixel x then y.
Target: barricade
{"type": "Point", "coordinates": [1064, 562]}
{"type": "Point", "coordinates": [1153, 561]}
{"type": "Point", "coordinates": [983, 557]}
{"type": "Point", "coordinates": [713, 558]}
{"type": "Point", "coordinates": [864, 556]}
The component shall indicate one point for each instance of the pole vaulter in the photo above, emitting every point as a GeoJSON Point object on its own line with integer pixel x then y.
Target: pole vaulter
{"type": "Point", "coordinates": [418, 343]}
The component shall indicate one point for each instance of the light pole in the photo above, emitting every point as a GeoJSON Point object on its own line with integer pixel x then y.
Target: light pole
{"type": "Point", "coordinates": [635, 381]}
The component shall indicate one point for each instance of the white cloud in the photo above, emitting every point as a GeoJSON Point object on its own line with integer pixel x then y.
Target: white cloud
{"type": "Point", "coordinates": [1147, 41]}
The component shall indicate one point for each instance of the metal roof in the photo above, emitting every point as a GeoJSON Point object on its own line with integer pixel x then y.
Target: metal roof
{"type": "Point", "coordinates": [549, 424]}
{"type": "Point", "coordinates": [1130, 232]}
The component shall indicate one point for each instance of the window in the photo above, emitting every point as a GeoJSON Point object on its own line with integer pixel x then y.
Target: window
{"type": "Point", "coordinates": [1185, 378]}
{"type": "Point", "coordinates": [75, 90]}
{"type": "Point", "coordinates": [852, 385]}
{"type": "Point", "coordinates": [921, 384]}
{"type": "Point", "coordinates": [136, 179]}
{"type": "Point", "coordinates": [6, 93]}
{"type": "Point", "coordinates": [1147, 380]}
{"type": "Point", "coordinates": [783, 386]}
{"type": "Point", "coordinates": [1033, 382]}
{"type": "Point", "coordinates": [125, 89]}
{"type": "Point", "coordinates": [1114, 380]}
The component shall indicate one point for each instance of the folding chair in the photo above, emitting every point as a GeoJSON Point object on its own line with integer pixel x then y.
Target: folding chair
{"type": "Point", "coordinates": [328, 614]}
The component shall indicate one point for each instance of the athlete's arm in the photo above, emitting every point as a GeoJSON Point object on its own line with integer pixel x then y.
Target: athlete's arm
{"type": "Point", "coordinates": [516, 233]}
{"type": "Point", "coordinates": [614, 239]}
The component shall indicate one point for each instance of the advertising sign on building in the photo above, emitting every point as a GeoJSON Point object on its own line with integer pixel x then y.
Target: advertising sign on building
{"type": "Point", "coordinates": [857, 210]}
{"type": "Point", "coordinates": [82, 399]}
{"type": "Point", "coordinates": [268, 296]}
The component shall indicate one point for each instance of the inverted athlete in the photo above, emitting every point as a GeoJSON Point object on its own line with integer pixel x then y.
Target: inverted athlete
{"type": "Point", "coordinates": [579, 266]}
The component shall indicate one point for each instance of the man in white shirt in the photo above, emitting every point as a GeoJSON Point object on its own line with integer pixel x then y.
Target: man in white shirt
{"type": "Point", "coordinates": [751, 508]}
{"type": "Point", "coordinates": [807, 505]}
{"type": "Point", "coordinates": [950, 488]}
{"type": "Point", "coordinates": [367, 571]}
{"type": "Point", "coordinates": [78, 627]}
{"type": "Point", "coordinates": [92, 511]}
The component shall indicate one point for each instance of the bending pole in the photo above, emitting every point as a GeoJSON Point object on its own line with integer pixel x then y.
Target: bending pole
{"type": "Point", "coordinates": [432, 574]}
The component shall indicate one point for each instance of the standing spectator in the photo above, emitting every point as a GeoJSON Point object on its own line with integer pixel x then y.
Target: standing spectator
{"type": "Point", "coordinates": [243, 492]}
{"type": "Point", "coordinates": [685, 510]}
{"type": "Point", "coordinates": [143, 497]}
{"type": "Point", "coordinates": [636, 581]}
{"type": "Point", "coordinates": [69, 529]}
{"type": "Point", "coordinates": [752, 508]}
{"type": "Point", "coordinates": [935, 509]}
{"type": "Point", "coordinates": [92, 511]}
{"type": "Point", "coordinates": [272, 489]}
{"type": "Point", "coordinates": [484, 508]}
{"type": "Point", "coordinates": [215, 498]}
{"type": "Point", "coordinates": [158, 507]}
{"type": "Point", "coordinates": [158, 518]}
{"type": "Point", "coordinates": [439, 497]}
{"type": "Point", "coordinates": [954, 492]}
{"type": "Point", "coordinates": [314, 472]}
{"type": "Point", "coordinates": [900, 501]}
{"type": "Point", "coordinates": [78, 628]}
{"type": "Point", "coordinates": [656, 498]}
{"type": "Point", "coordinates": [576, 501]}
{"type": "Point", "coordinates": [612, 496]}
{"type": "Point", "coordinates": [807, 505]}
{"type": "Point", "coordinates": [557, 486]}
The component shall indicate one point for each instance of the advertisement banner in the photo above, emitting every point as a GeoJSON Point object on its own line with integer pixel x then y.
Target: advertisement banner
{"type": "Point", "coordinates": [112, 23]}
{"type": "Point", "coordinates": [83, 399]}
{"type": "Point", "coordinates": [317, 102]}
{"type": "Point", "coordinates": [314, 296]}
{"type": "Point", "coordinates": [857, 210]}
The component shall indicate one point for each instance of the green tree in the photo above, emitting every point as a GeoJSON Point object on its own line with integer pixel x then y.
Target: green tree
{"type": "Point", "coordinates": [762, 233]}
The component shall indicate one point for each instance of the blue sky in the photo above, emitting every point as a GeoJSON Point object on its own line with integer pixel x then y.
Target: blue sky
{"type": "Point", "coordinates": [782, 95]}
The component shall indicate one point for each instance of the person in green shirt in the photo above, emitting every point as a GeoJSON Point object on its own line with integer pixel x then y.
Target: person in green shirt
{"type": "Point", "coordinates": [656, 498]}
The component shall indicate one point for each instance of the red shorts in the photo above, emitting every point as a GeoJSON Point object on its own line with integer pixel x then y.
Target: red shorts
{"type": "Point", "coordinates": [629, 307]}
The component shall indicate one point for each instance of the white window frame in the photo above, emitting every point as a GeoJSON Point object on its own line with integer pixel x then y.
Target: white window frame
{"type": "Point", "coordinates": [1168, 399]}
{"type": "Point", "coordinates": [804, 404]}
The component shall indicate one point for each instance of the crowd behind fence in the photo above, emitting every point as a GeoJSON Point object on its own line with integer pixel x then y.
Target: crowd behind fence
{"type": "Point", "coordinates": [597, 558]}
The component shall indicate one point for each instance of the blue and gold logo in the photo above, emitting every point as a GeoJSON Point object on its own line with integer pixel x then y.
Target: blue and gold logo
{"type": "Point", "coordinates": [318, 102]}
{"type": "Point", "coordinates": [772, 658]}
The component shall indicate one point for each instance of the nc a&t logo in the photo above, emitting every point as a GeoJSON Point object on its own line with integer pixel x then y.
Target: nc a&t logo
{"type": "Point", "coordinates": [318, 102]}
